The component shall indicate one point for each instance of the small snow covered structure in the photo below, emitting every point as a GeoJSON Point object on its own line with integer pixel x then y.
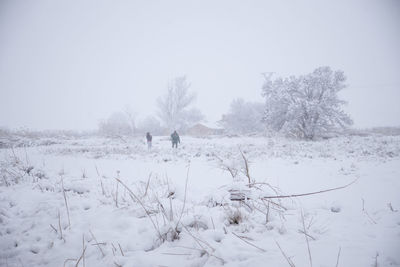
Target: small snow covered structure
{"type": "Point", "coordinates": [202, 129]}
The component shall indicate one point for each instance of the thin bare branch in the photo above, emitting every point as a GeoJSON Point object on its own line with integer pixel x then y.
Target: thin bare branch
{"type": "Point", "coordinates": [338, 256]}
{"type": "Point", "coordinates": [184, 198]}
{"type": "Point", "coordinates": [120, 249]}
{"type": "Point", "coordinates": [97, 243]}
{"type": "Point", "coordinates": [306, 236]}
{"type": "Point", "coordinates": [54, 228]}
{"type": "Point", "coordinates": [247, 168]}
{"type": "Point", "coordinates": [66, 202]}
{"type": "Point", "coordinates": [311, 193]}
{"type": "Point", "coordinates": [59, 224]}
{"type": "Point", "coordinates": [247, 242]}
{"type": "Point", "coordinates": [81, 257]}
{"type": "Point", "coordinates": [284, 255]}
{"type": "Point", "coordinates": [144, 208]}
{"type": "Point", "coordinates": [147, 185]}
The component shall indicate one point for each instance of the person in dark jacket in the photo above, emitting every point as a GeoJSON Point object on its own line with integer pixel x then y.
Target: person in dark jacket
{"type": "Point", "coordinates": [175, 139]}
{"type": "Point", "coordinates": [149, 138]}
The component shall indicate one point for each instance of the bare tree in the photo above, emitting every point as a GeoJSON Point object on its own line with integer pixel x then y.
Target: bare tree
{"type": "Point", "coordinates": [173, 106]}
{"type": "Point", "coordinates": [305, 106]}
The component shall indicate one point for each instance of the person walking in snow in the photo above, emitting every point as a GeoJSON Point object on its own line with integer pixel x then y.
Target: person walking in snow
{"type": "Point", "coordinates": [175, 139]}
{"type": "Point", "coordinates": [149, 138]}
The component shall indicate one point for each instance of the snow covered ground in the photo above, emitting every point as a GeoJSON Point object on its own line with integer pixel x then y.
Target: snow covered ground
{"type": "Point", "coordinates": [111, 202]}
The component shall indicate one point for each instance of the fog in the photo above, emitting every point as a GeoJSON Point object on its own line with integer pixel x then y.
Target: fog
{"type": "Point", "coordinates": [68, 64]}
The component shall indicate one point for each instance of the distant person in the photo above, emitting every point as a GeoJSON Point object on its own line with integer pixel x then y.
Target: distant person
{"type": "Point", "coordinates": [175, 139]}
{"type": "Point", "coordinates": [149, 139]}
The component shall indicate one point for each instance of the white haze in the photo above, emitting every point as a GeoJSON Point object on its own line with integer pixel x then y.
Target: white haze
{"type": "Point", "coordinates": [67, 64]}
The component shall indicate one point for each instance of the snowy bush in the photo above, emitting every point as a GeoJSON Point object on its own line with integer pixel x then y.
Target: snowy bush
{"type": "Point", "coordinates": [13, 171]}
{"type": "Point", "coordinates": [306, 106]}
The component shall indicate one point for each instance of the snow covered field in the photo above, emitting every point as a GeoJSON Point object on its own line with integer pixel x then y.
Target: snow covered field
{"type": "Point", "coordinates": [62, 205]}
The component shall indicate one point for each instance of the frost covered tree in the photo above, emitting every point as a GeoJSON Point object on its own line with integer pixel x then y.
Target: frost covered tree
{"type": "Point", "coordinates": [305, 106]}
{"type": "Point", "coordinates": [173, 107]}
{"type": "Point", "coordinates": [243, 117]}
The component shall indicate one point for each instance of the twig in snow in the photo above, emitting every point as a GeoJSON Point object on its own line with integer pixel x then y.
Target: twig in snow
{"type": "Point", "coordinates": [66, 202]}
{"type": "Point", "coordinates": [275, 204]}
{"type": "Point", "coordinates": [391, 207]}
{"type": "Point", "coordinates": [310, 223]}
{"type": "Point", "coordinates": [284, 255]}
{"type": "Point", "coordinates": [233, 172]}
{"type": "Point", "coordinates": [97, 243]}
{"type": "Point", "coordinates": [275, 189]}
{"type": "Point", "coordinates": [305, 235]}
{"type": "Point", "coordinates": [184, 198]}
{"type": "Point", "coordinates": [114, 249]}
{"type": "Point", "coordinates": [372, 220]}
{"type": "Point", "coordinates": [101, 182]}
{"type": "Point", "coordinates": [147, 185]}
{"type": "Point", "coordinates": [366, 213]}
{"type": "Point", "coordinates": [83, 246]}
{"type": "Point", "coordinates": [162, 209]}
{"type": "Point", "coordinates": [55, 230]}
{"type": "Point", "coordinates": [212, 221]}
{"type": "Point", "coordinates": [81, 257]}
{"type": "Point", "coordinates": [171, 212]}
{"type": "Point", "coordinates": [97, 170]}
{"type": "Point", "coordinates": [338, 256]}
{"type": "Point", "coordinates": [311, 193]}
{"type": "Point", "coordinates": [247, 169]}
{"type": "Point", "coordinates": [59, 224]}
{"type": "Point", "coordinates": [120, 249]}
{"type": "Point", "coordinates": [144, 208]}
{"type": "Point", "coordinates": [247, 242]}
{"type": "Point", "coordinates": [198, 240]}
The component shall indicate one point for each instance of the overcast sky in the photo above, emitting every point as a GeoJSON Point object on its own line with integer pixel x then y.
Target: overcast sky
{"type": "Point", "coordinates": [67, 64]}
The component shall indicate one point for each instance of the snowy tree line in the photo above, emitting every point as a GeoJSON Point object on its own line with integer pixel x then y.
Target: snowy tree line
{"type": "Point", "coordinates": [305, 106]}
{"type": "Point", "coordinates": [175, 111]}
